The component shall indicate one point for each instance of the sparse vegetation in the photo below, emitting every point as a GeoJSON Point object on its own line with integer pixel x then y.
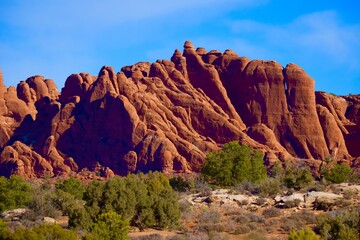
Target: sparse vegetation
{"type": "Point", "coordinates": [257, 235]}
{"type": "Point", "coordinates": [271, 212]}
{"type": "Point", "coordinates": [260, 201]}
{"type": "Point", "coordinates": [292, 203]}
{"type": "Point", "coordinates": [242, 229]}
{"type": "Point", "coordinates": [297, 221]}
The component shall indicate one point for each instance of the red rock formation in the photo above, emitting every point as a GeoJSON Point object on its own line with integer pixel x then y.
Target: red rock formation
{"type": "Point", "coordinates": [332, 133]}
{"type": "Point", "coordinates": [169, 114]}
{"type": "Point", "coordinates": [282, 99]}
{"type": "Point", "coordinates": [21, 160]}
{"type": "Point", "coordinates": [18, 109]}
{"type": "Point", "coordinates": [352, 139]}
{"type": "Point", "coordinates": [204, 75]}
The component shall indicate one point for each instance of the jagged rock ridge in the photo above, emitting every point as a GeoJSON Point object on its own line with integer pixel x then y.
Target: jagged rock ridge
{"type": "Point", "coordinates": [169, 114]}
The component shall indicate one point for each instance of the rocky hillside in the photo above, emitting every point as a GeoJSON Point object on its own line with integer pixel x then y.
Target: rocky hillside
{"type": "Point", "coordinates": [168, 115]}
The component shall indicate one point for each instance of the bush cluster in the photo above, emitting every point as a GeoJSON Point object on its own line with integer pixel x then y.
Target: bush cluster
{"type": "Point", "coordinates": [14, 193]}
{"type": "Point", "coordinates": [297, 177]}
{"type": "Point", "coordinates": [144, 200]}
{"type": "Point", "coordinates": [72, 186]}
{"type": "Point", "coordinates": [103, 209]}
{"type": "Point", "coordinates": [108, 226]}
{"type": "Point", "coordinates": [234, 164]}
{"type": "Point", "coordinates": [337, 173]}
{"type": "Point", "coordinates": [339, 225]}
{"type": "Point", "coordinates": [41, 232]}
{"type": "Point", "coordinates": [303, 234]}
{"type": "Point", "coordinates": [180, 184]}
{"type": "Point", "coordinates": [240, 165]}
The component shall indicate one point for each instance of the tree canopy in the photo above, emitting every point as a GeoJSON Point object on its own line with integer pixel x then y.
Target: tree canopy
{"type": "Point", "coordinates": [234, 164]}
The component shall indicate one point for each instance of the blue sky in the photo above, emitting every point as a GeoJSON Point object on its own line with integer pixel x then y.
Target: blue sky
{"type": "Point", "coordinates": [56, 38]}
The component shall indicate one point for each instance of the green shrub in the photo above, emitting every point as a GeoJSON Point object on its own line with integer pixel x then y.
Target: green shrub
{"type": "Point", "coordinates": [338, 173]}
{"type": "Point", "coordinates": [14, 193]}
{"type": "Point", "coordinates": [340, 225]}
{"type": "Point", "coordinates": [269, 187]}
{"type": "Point", "coordinates": [66, 202]}
{"type": "Point", "coordinates": [234, 164]}
{"type": "Point", "coordinates": [303, 234]}
{"type": "Point", "coordinates": [42, 202]}
{"type": "Point", "coordinates": [159, 207]}
{"type": "Point", "coordinates": [4, 233]}
{"type": "Point", "coordinates": [73, 186]}
{"type": "Point", "coordinates": [93, 196]}
{"type": "Point", "coordinates": [80, 219]}
{"type": "Point", "coordinates": [110, 226]}
{"type": "Point", "coordinates": [24, 234]}
{"type": "Point", "coordinates": [277, 171]}
{"type": "Point", "coordinates": [54, 231]}
{"type": "Point", "coordinates": [145, 200]}
{"type": "Point", "coordinates": [41, 232]}
{"type": "Point", "coordinates": [180, 184]}
{"type": "Point", "coordinates": [296, 177]}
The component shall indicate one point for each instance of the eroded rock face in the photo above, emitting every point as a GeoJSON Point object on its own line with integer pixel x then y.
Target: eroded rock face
{"type": "Point", "coordinates": [168, 115]}
{"type": "Point", "coordinates": [352, 139]}
{"type": "Point", "coordinates": [24, 115]}
{"type": "Point", "coordinates": [21, 160]}
{"type": "Point", "coordinates": [281, 98]}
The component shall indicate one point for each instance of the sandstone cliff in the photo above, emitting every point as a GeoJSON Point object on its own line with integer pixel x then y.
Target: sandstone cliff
{"type": "Point", "coordinates": [168, 115]}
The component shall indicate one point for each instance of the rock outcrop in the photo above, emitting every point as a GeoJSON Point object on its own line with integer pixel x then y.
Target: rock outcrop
{"type": "Point", "coordinates": [353, 126]}
{"type": "Point", "coordinates": [168, 115]}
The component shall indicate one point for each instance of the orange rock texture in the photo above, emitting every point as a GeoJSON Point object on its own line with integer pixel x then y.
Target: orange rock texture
{"type": "Point", "coordinates": [168, 115]}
